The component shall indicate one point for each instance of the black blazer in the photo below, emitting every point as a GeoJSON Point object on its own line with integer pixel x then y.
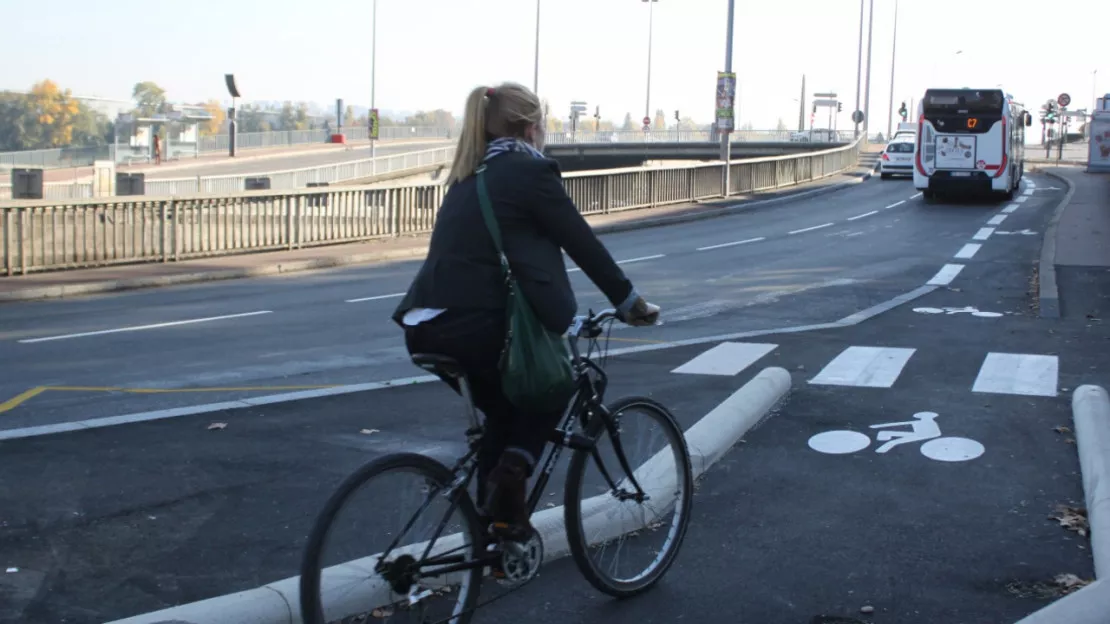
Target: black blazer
{"type": "Point", "coordinates": [537, 219]}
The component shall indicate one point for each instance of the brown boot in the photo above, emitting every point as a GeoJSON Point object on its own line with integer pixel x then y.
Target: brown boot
{"type": "Point", "coordinates": [507, 503]}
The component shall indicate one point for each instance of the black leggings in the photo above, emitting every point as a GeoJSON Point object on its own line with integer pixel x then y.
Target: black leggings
{"type": "Point", "coordinates": [475, 339]}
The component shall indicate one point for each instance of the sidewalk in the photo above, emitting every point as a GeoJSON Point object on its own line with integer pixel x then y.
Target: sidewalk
{"type": "Point", "coordinates": [152, 274]}
{"type": "Point", "coordinates": [1080, 251]}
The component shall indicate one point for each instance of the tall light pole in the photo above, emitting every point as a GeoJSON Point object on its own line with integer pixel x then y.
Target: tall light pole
{"type": "Point", "coordinates": [867, 90]}
{"type": "Point", "coordinates": [536, 71]}
{"type": "Point", "coordinates": [726, 147]}
{"type": "Point", "coordinates": [647, 101]}
{"type": "Point", "coordinates": [373, 70]}
{"type": "Point", "coordinates": [893, 51]}
{"type": "Point", "coordinates": [859, 71]}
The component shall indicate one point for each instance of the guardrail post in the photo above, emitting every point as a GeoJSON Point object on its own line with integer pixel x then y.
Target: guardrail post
{"type": "Point", "coordinates": [651, 188]}
{"type": "Point", "coordinates": [22, 247]}
{"type": "Point", "coordinates": [288, 207]}
{"type": "Point", "coordinates": [8, 243]}
{"type": "Point", "coordinates": [176, 225]}
{"type": "Point", "coordinates": [164, 213]}
{"type": "Point", "coordinates": [691, 175]}
{"type": "Point", "coordinates": [607, 195]}
{"type": "Point", "coordinates": [394, 213]}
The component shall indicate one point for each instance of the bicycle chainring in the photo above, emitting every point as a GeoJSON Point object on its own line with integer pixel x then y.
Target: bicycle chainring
{"type": "Point", "coordinates": [520, 561]}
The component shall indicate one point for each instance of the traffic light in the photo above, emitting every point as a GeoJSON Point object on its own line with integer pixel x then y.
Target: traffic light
{"type": "Point", "coordinates": [597, 112]}
{"type": "Point", "coordinates": [902, 112]}
{"type": "Point", "coordinates": [814, 108]}
{"type": "Point", "coordinates": [676, 115]}
{"type": "Point", "coordinates": [839, 106]}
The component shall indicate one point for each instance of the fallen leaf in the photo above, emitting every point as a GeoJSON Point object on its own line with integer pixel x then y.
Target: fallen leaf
{"type": "Point", "coordinates": [1070, 582]}
{"type": "Point", "coordinates": [382, 613]}
{"type": "Point", "coordinates": [1069, 440]}
{"type": "Point", "coordinates": [369, 431]}
{"type": "Point", "coordinates": [1061, 429]}
{"type": "Point", "coordinates": [1072, 519]}
{"type": "Point", "coordinates": [217, 426]}
{"type": "Point", "coordinates": [867, 609]}
{"type": "Point", "coordinates": [12, 570]}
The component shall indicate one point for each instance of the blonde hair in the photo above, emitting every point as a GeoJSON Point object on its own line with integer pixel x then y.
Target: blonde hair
{"type": "Point", "coordinates": [507, 110]}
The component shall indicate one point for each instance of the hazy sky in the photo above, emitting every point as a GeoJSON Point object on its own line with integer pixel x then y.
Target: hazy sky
{"type": "Point", "coordinates": [431, 52]}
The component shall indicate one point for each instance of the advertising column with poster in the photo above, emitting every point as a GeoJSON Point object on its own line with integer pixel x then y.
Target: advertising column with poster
{"type": "Point", "coordinates": [1098, 159]}
{"type": "Point", "coordinates": [726, 93]}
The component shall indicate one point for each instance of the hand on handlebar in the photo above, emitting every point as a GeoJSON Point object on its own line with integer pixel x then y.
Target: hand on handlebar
{"type": "Point", "coordinates": [642, 314]}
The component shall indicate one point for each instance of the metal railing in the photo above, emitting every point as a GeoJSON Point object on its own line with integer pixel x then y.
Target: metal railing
{"type": "Point", "coordinates": [284, 179]}
{"type": "Point", "coordinates": [45, 235]}
{"type": "Point", "coordinates": [84, 156]}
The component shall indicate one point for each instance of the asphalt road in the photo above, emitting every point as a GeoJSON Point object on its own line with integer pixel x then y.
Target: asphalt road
{"type": "Point", "coordinates": [297, 160]}
{"type": "Point", "coordinates": [873, 242]}
{"type": "Point", "coordinates": [790, 527]}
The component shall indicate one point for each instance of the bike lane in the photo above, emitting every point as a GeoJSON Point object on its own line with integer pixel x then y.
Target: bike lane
{"type": "Point", "coordinates": [956, 529]}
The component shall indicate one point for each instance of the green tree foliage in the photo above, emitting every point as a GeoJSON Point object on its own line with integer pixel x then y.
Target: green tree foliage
{"type": "Point", "coordinates": [48, 117]}
{"type": "Point", "coordinates": [150, 99]}
{"type": "Point", "coordinates": [629, 125]}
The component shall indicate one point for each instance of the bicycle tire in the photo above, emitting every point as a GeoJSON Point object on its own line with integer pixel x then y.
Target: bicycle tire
{"type": "Point", "coordinates": [312, 609]}
{"type": "Point", "coordinates": [572, 503]}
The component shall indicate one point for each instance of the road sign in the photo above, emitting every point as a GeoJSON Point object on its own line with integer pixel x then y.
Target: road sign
{"type": "Point", "coordinates": [832, 103]}
{"type": "Point", "coordinates": [824, 95]}
{"type": "Point", "coordinates": [647, 121]}
{"type": "Point", "coordinates": [577, 109]}
{"type": "Point", "coordinates": [374, 123]}
{"type": "Point", "coordinates": [646, 127]}
{"type": "Point", "coordinates": [1064, 99]}
{"type": "Point", "coordinates": [857, 117]}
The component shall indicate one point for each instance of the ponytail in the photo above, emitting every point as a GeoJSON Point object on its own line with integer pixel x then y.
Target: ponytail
{"type": "Point", "coordinates": [507, 110]}
{"type": "Point", "coordinates": [472, 139]}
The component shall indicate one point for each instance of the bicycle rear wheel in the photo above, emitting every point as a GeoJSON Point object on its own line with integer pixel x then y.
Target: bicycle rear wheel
{"type": "Point", "coordinates": [663, 474]}
{"type": "Point", "coordinates": [363, 585]}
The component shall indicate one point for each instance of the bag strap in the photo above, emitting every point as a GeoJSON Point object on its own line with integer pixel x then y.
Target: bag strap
{"type": "Point", "coordinates": [491, 221]}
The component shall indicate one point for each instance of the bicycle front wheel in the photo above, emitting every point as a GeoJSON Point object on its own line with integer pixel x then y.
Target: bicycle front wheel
{"type": "Point", "coordinates": [369, 558]}
{"type": "Point", "coordinates": [642, 501]}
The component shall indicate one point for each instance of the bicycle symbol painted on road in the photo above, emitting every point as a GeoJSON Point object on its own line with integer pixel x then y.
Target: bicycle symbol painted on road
{"type": "Point", "coordinates": [972, 310]}
{"type": "Point", "coordinates": [924, 429]}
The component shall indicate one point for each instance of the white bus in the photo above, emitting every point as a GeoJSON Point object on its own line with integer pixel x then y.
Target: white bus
{"type": "Point", "coordinates": [969, 141]}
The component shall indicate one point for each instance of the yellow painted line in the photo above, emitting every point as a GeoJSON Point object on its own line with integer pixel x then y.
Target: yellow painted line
{"type": "Point", "coordinates": [23, 397]}
{"type": "Point", "coordinates": [641, 340]}
{"type": "Point", "coordinates": [19, 399]}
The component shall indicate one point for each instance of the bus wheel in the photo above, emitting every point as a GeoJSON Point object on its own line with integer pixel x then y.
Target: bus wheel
{"type": "Point", "coordinates": [928, 196]}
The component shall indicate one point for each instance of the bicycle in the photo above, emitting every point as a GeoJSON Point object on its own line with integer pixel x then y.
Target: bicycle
{"type": "Point", "coordinates": [410, 571]}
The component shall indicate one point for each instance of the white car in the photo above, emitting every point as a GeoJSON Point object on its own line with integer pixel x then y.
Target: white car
{"type": "Point", "coordinates": [897, 158]}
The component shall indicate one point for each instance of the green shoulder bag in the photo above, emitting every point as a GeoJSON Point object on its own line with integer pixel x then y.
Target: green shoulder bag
{"type": "Point", "coordinates": [536, 374]}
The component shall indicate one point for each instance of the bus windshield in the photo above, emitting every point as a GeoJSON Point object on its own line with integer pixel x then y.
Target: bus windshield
{"type": "Point", "coordinates": [970, 101]}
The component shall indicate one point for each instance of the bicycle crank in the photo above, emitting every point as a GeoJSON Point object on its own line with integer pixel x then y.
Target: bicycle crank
{"type": "Point", "coordinates": [520, 561]}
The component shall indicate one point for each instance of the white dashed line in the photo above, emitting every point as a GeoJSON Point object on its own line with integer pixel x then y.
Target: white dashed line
{"type": "Point", "coordinates": [946, 274]}
{"type": "Point", "coordinates": [641, 259]}
{"type": "Point", "coordinates": [810, 229]}
{"type": "Point", "coordinates": [997, 219]}
{"type": "Point", "coordinates": [142, 327]}
{"type": "Point", "coordinates": [732, 244]}
{"type": "Point", "coordinates": [916, 196]}
{"type": "Point", "coordinates": [968, 251]}
{"type": "Point", "coordinates": [1009, 209]}
{"type": "Point", "coordinates": [983, 234]}
{"type": "Point", "coordinates": [1029, 191]}
{"type": "Point", "coordinates": [1021, 199]}
{"type": "Point", "coordinates": [896, 204]}
{"type": "Point", "coordinates": [376, 298]}
{"type": "Point", "coordinates": [866, 214]}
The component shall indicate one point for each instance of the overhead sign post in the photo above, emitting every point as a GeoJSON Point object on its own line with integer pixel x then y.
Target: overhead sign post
{"type": "Point", "coordinates": [576, 110]}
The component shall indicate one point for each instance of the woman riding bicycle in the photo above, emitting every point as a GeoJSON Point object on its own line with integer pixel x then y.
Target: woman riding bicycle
{"type": "Point", "coordinates": [456, 305]}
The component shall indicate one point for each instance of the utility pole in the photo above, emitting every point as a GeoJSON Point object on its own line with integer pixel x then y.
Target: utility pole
{"type": "Point", "coordinates": [802, 106]}
{"type": "Point", "coordinates": [536, 70]}
{"type": "Point", "coordinates": [859, 68]}
{"type": "Point", "coordinates": [373, 75]}
{"type": "Point", "coordinates": [726, 137]}
{"type": "Point", "coordinates": [893, 51]}
{"type": "Point", "coordinates": [867, 90]}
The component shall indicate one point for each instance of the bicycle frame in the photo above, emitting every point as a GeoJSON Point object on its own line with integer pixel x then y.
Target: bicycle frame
{"type": "Point", "coordinates": [586, 402]}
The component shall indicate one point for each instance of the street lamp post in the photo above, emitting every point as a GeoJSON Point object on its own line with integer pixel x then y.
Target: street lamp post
{"type": "Point", "coordinates": [859, 70]}
{"type": "Point", "coordinates": [893, 51]}
{"type": "Point", "coordinates": [867, 90]}
{"type": "Point", "coordinates": [373, 70]}
{"type": "Point", "coordinates": [536, 70]}
{"type": "Point", "coordinates": [651, 17]}
{"type": "Point", "coordinates": [726, 146]}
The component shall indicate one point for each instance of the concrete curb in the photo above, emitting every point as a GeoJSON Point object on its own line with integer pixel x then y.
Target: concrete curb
{"type": "Point", "coordinates": [1048, 295]}
{"type": "Point", "coordinates": [1090, 406]}
{"type": "Point", "coordinates": [709, 439]}
{"type": "Point", "coordinates": [1089, 605]}
{"type": "Point", "coordinates": [70, 290]}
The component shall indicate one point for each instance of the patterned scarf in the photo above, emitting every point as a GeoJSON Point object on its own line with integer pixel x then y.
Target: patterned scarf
{"type": "Point", "coordinates": [505, 145]}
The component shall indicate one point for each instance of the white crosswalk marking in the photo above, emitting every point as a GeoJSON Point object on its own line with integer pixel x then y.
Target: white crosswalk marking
{"type": "Point", "coordinates": [870, 367]}
{"type": "Point", "coordinates": [1018, 373]}
{"type": "Point", "coordinates": [727, 358]}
